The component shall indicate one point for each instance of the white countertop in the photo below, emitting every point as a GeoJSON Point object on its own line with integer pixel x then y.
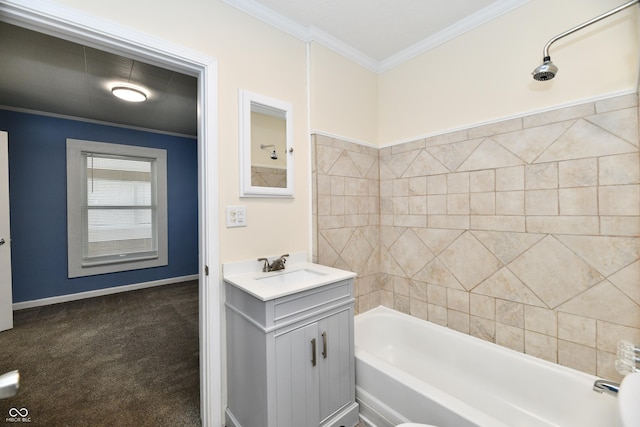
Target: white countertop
{"type": "Point", "coordinates": [275, 287]}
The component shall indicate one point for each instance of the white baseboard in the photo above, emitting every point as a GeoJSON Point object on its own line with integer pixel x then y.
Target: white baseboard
{"type": "Point", "coordinates": [100, 292]}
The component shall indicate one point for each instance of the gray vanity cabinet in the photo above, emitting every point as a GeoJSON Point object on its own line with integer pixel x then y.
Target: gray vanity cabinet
{"type": "Point", "coordinates": [290, 360]}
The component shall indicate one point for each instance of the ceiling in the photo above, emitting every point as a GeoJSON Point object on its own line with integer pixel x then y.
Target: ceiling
{"type": "Point", "coordinates": [47, 74]}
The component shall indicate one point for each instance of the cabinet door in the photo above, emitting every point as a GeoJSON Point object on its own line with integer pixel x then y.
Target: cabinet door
{"type": "Point", "coordinates": [335, 356]}
{"type": "Point", "coordinates": [297, 377]}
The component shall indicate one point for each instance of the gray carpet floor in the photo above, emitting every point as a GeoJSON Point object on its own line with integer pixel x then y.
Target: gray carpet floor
{"type": "Point", "coordinates": [128, 359]}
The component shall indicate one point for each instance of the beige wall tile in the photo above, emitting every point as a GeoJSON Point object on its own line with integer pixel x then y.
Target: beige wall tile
{"type": "Point", "coordinates": [437, 295]}
{"type": "Point", "coordinates": [408, 146]}
{"type": "Point", "coordinates": [458, 321]}
{"type": "Point", "coordinates": [578, 173]}
{"type": "Point", "coordinates": [418, 205]}
{"type": "Point", "coordinates": [577, 356]}
{"type": "Point", "coordinates": [541, 176]}
{"type": "Point", "coordinates": [418, 290]}
{"type": "Point", "coordinates": [386, 188]}
{"type": "Point", "coordinates": [577, 329]}
{"type": "Point", "coordinates": [496, 128]}
{"type": "Point", "coordinates": [608, 335]}
{"type": "Point", "coordinates": [482, 181]}
{"type": "Point", "coordinates": [510, 203]}
{"type": "Point", "coordinates": [458, 183]}
{"type": "Point", "coordinates": [578, 201]}
{"type": "Point", "coordinates": [482, 328]}
{"type": "Point", "coordinates": [456, 222]}
{"type": "Point", "coordinates": [587, 225]}
{"type": "Point", "coordinates": [337, 185]}
{"type": "Point", "coordinates": [542, 320]}
{"type": "Point", "coordinates": [541, 202]}
{"type": "Point", "coordinates": [510, 179]}
{"type": "Point", "coordinates": [456, 136]}
{"type": "Point", "coordinates": [559, 115]}
{"type": "Point", "coordinates": [619, 199]}
{"type": "Point", "coordinates": [324, 184]}
{"type": "Point", "coordinates": [510, 337]}
{"type": "Point", "coordinates": [418, 186]}
{"type": "Point", "coordinates": [437, 205]}
{"type": "Point", "coordinates": [437, 314]}
{"type": "Point", "coordinates": [458, 204]}
{"type": "Point", "coordinates": [617, 103]}
{"type": "Point", "coordinates": [482, 203]}
{"type": "Point", "coordinates": [482, 306]}
{"type": "Point", "coordinates": [401, 303]}
{"type": "Point", "coordinates": [437, 184]}
{"type": "Point", "coordinates": [419, 309]}
{"type": "Point", "coordinates": [410, 221]}
{"type": "Point", "coordinates": [605, 366]}
{"type": "Point", "coordinates": [540, 345]}
{"type": "Point", "coordinates": [619, 226]}
{"type": "Point", "coordinates": [498, 223]}
{"type": "Point", "coordinates": [401, 187]}
{"type": "Point", "coordinates": [510, 313]}
{"type": "Point", "coordinates": [400, 205]}
{"type": "Point", "coordinates": [621, 169]}
{"type": "Point", "coordinates": [458, 300]}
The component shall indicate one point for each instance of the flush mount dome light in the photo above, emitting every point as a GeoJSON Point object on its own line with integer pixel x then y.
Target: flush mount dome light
{"type": "Point", "coordinates": [129, 94]}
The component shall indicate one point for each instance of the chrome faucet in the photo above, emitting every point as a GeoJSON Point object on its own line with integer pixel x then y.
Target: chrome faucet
{"type": "Point", "coordinates": [277, 264]}
{"type": "Point", "coordinates": [606, 387]}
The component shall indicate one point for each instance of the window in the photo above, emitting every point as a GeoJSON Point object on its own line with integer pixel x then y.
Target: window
{"type": "Point", "coordinates": [116, 207]}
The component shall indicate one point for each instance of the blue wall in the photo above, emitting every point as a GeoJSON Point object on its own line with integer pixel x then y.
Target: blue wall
{"type": "Point", "coordinates": [38, 199]}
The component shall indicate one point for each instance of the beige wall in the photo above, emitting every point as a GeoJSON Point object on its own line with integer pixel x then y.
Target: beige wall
{"type": "Point", "coordinates": [344, 97]}
{"type": "Point", "coordinates": [485, 74]}
{"type": "Point", "coordinates": [252, 56]}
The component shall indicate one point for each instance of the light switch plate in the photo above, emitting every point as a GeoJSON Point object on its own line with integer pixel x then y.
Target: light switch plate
{"type": "Point", "coordinates": [236, 216]}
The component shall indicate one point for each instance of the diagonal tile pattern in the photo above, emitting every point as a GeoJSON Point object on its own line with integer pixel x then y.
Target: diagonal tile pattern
{"type": "Point", "coordinates": [524, 233]}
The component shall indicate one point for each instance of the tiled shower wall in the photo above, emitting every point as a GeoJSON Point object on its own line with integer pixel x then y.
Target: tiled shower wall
{"type": "Point", "coordinates": [523, 233]}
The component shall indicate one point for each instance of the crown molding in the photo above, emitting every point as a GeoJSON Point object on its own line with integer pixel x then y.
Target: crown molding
{"type": "Point", "coordinates": [270, 17]}
{"type": "Point", "coordinates": [483, 16]}
{"type": "Point", "coordinates": [308, 34]}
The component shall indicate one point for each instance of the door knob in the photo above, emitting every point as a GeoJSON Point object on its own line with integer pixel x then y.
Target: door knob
{"type": "Point", "coordinates": [1, 242]}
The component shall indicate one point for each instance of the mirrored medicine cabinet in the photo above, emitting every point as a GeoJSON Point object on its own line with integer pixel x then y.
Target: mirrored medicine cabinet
{"type": "Point", "coordinates": [266, 146]}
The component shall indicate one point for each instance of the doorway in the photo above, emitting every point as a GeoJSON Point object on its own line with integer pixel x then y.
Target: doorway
{"type": "Point", "coordinates": [69, 24]}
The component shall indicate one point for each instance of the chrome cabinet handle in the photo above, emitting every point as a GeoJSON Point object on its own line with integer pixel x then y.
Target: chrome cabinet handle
{"type": "Point", "coordinates": [324, 345]}
{"type": "Point", "coordinates": [313, 352]}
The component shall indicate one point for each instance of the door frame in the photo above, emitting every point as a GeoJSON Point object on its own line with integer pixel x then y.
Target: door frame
{"type": "Point", "coordinates": [72, 25]}
{"type": "Point", "coordinates": [6, 311]}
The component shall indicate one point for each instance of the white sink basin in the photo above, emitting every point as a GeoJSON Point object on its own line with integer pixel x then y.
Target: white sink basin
{"type": "Point", "coordinates": [291, 277]}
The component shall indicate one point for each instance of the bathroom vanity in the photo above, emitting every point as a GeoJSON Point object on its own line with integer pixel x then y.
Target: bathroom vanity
{"type": "Point", "coordinates": [290, 346]}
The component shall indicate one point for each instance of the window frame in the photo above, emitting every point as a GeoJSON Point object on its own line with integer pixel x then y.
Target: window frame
{"type": "Point", "coordinates": [76, 185]}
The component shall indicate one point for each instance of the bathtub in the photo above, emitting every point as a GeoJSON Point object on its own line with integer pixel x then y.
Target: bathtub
{"type": "Point", "coordinates": [408, 369]}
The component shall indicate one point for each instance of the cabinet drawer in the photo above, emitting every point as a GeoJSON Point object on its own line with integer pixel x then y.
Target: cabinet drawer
{"type": "Point", "coordinates": [293, 307]}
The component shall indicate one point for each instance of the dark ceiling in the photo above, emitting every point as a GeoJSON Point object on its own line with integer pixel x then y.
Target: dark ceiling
{"type": "Point", "coordinates": [47, 74]}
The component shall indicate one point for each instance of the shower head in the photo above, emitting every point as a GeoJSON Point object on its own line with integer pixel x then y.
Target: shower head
{"type": "Point", "coordinates": [545, 71]}
{"type": "Point", "coordinates": [274, 155]}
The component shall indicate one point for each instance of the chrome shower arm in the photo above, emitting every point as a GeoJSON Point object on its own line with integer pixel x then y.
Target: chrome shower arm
{"type": "Point", "coordinates": [545, 51]}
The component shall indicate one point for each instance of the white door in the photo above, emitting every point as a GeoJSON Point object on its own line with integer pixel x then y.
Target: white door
{"type": "Point", "coordinates": [6, 301]}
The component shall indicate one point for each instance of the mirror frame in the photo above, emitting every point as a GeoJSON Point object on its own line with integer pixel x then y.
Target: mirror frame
{"type": "Point", "coordinates": [246, 99]}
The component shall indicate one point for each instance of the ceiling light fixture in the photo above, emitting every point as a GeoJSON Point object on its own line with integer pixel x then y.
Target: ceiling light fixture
{"type": "Point", "coordinates": [129, 94]}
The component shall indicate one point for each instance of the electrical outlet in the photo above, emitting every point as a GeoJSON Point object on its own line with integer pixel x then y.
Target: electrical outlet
{"type": "Point", "coordinates": [236, 216]}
